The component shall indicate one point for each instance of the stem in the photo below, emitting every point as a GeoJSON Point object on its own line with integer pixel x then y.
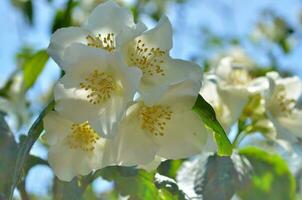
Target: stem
{"type": "Point", "coordinates": [23, 193]}
{"type": "Point", "coordinates": [236, 140]}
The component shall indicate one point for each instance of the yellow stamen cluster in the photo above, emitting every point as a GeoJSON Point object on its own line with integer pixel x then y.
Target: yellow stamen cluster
{"type": "Point", "coordinates": [239, 77]}
{"type": "Point", "coordinates": [283, 104]}
{"type": "Point", "coordinates": [106, 42]}
{"type": "Point", "coordinates": [154, 118]}
{"type": "Point", "coordinates": [100, 86]}
{"type": "Point", "coordinates": [149, 60]}
{"type": "Point", "coordinates": [82, 137]}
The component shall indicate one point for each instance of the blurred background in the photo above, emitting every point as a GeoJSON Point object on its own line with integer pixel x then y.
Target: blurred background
{"type": "Point", "coordinates": [265, 33]}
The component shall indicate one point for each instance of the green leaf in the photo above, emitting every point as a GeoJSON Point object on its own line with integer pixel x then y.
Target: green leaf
{"type": "Point", "coordinates": [63, 18]}
{"type": "Point", "coordinates": [8, 152]}
{"type": "Point", "coordinates": [23, 151]}
{"type": "Point", "coordinates": [26, 7]}
{"type": "Point", "coordinates": [169, 168]}
{"type": "Point", "coordinates": [68, 190]}
{"type": "Point", "coordinates": [270, 178]}
{"type": "Point", "coordinates": [168, 188]}
{"type": "Point", "coordinates": [138, 184]}
{"type": "Point", "coordinates": [222, 177]}
{"type": "Point", "coordinates": [33, 67]}
{"type": "Point", "coordinates": [208, 116]}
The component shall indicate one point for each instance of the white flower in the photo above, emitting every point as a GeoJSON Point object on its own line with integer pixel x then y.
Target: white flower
{"type": "Point", "coordinates": [238, 78]}
{"type": "Point", "coordinates": [108, 26]}
{"type": "Point", "coordinates": [168, 129]}
{"type": "Point", "coordinates": [75, 148]}
{"type": "Point", "coordinates": [96, 88]}
{"type": "Point", "coordinates": [150, 53]}
{"type": "Point", "coordinates": [235, 85]}
{"type": "Point", "coordinates": [112, 28]}
{"type": "Point", "coordinates": [281, 100]}
{"type": "Point", "coordinates": [226, 114]}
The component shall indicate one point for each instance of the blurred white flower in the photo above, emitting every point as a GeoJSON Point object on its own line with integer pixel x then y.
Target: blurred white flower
{"type": "Point", "coordinates": [168, 129]}
{"type": "Point", "coordinates": [225, 114]}
{"type": "Point", "coordinates": [235, 85]}
{"type": "Point", "coordinates": [108, 26]}
{"type": "Point", "coordinates": [239, 58]}
{"type": "Point", "coordinates": [280, 100]}
{"type": "Point", "coordinates": [97, 87]}
{"type": "Point", "coordinates": [74, 148]}
{"type": "Point", "coordinates": [15, 103]}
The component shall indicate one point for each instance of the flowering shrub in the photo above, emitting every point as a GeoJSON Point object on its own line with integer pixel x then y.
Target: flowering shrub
{"type": "Point", "coordinates": [157, 126]}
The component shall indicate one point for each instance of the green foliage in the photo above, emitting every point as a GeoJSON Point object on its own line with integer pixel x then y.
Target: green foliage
{"type": "Point", "coordinates": [168, 189]}
{"type": "Point", "coordinates": [138, 184]}
{"type": "Point", "coordinates": [169, 167]}
{"type": "Point", "coordinates": [270, 177]}
{"type": "Point", "coordinates": [8, 151]}
{"type": "Point", "coordinates": [33, 67]}
{"type": "Point", "coordinates": [26, 7]}
{"type": "Point", "coordinates": [208, 116]}
{"type": "Point", "coordinates": [67, 190]}
{"type": "Point", "coordinates": [221, 178]}
{"type": "Point", "coordinates": [63, 17]}
{"type": "Point", "coordinates": [25, 146]}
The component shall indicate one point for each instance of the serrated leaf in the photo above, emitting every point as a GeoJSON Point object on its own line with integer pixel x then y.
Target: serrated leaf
{"type": "Point", "coordinates": [208, 116]}
{"type": "Point", "coordinates": [138, 184]}
{"type": "Point", "coordinates": [222, 177]}
{"type": "Point", "coordinates": [8, 152]}
{"type": "Point", "coordinates": [270, 178]}
{"type": "Point", "coordinates": [23, 151]}
{"type": "Point", "coordinates": [33, 67]}
{"type": "Point", "coordinates": [213, 177]}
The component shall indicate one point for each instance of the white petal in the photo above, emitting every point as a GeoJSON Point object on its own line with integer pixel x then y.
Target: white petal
{"type": "Point", "coordinates": [209, 92]}
{"type": "Point", "coordinates": [184, 135]}
{"type": "Point", "coordinates": [160, 36]}
{"type": "Point", "coordinates": [63, 38]}
{"type": "Point", "coordinates": [81, 58]}
{"type": "Point", "coordinates": [235, 98]}
{"type": "Point", "coordinates": [152, 165]}
{"type": "Point", "coordinates": [293, 87]}
{"type": "Point", "coordinates": [132, 145]}
{"type": "Point", "coordinates": [224, 68]}
{"type": "Point", "coordinates": [293, 123]}
{"type": "Point", "coordinates": [56, 127]}
{"type": "Point", "coordinates": [109, 17]}
{"type": "Point", "coordinates": [257, 85]}
{"type": "Point", "coordinates": [68, 163]}
{"type": "Point", "coordinates": [189, 87]}
{"type": "Point", "coordinates": [69, 95]}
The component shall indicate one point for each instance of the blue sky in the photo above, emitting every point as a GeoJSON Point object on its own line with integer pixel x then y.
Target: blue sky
{"type": "Point", "coordinates": [226, 18]}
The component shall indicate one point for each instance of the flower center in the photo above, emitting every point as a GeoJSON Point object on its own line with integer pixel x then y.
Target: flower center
{"type": "Point", "coordinates": [104, 42]}
{"type": "Point", "coordinates": [154, 118]}
{"type": "Point", "coordinates": [281, 103]}
{"type": "Point", "coordinates": [239, 77]}
{"type": "Point", "coordinates": [149, 60]}
{"type": "Point", "coordinates": [82, 137]}
{"type": "Point", "coordinates": [100, 86]}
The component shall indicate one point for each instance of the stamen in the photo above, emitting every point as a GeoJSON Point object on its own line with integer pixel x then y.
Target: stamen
{"type": "Point", "coordinates": [239, 77]}
{"type": "Point", "coordinates": [82, 137]}
{"type": "Point", "coordinates": [100, 86]}
{"type": "Point", "coordinates": [106, 42]}
{"type": "Point", "coordinates": [154, 118]}
{"type": "Point", "coordinates": [282, 103]}
{"type": "Point", "coordinates": [149, 60]}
